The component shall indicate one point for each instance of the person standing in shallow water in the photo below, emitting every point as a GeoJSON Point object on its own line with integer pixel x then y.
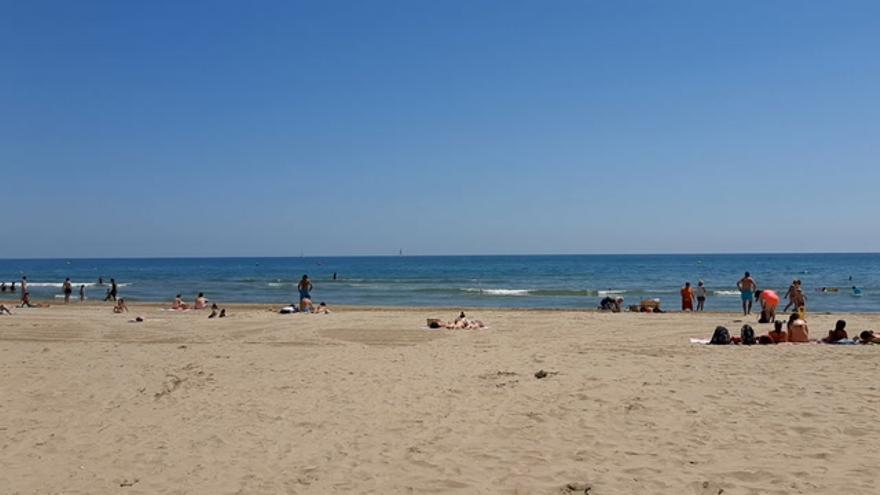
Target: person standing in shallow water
{"type": "Point", "coordinates": [747, 287]}
{"type": "Point", "coordinates": [67, 287]}
{"type": "Point", "coordinates": [687, 297]}
{"type": "Point", "coordinates": [701, 296]}
{"type": "Point", "coordinates": [305, 289]}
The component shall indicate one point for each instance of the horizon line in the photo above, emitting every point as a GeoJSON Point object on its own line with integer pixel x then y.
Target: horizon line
{"type": "Point", "coordinates": [744, 253]}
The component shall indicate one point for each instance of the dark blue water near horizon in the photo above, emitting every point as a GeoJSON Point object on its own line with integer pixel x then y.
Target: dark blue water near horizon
{"type": "Point", "coordinates": [536, 281]}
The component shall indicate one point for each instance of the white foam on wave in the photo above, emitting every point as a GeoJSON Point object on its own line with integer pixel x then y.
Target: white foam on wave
{"type": "Point", "coordinates": [611, 292]}
{"type": "Point", "coordinates": [501, 292]}
{"type": "Point", "coordinates": [726, 292]}
{"type": "Point", "coordinates": [61, 284]}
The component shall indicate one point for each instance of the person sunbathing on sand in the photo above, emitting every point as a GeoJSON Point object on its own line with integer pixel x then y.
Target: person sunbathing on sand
{"type": "Point", "coordinates": [868, 337]}
{"type": "Point", "coordinates": [306, 306]}
{"type": "Point", "coordinates": [4, 310]}
{"type": "Point", "coordinates": [120, 306]}
{"type": "Point", "coordinates": [322, 309]}
{"type": "Point", "coordinates": [798, 331]}
{"type": "Point", "coordinates": [460, 323]}
{"type": "Point", "coordinates": [178, 304]}
{"type": "Point", "coordinates": [778, 335]}
{"type": "Point", "coordinates": [215, 313]}
{"type": "Point", "coordinates": [609, 303]}
{"type": "Point", "coordinates": [838, 334]}
{"type": "Point", "coordinates": [201, 301]}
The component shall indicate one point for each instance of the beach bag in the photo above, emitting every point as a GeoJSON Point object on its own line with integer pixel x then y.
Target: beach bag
{"type": "Point", "coordinates": [747, 335]}
{"type": "Point", "coordinates": [764, 318]}
{"type": "Point", "coordinates": [720, 337]}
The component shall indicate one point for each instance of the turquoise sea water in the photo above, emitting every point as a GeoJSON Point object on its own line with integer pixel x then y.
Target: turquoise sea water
{"type": "Point", "coordinates": [485, 281]}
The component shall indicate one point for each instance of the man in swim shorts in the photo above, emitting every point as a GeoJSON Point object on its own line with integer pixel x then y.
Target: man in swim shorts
{"type": "Point", "coordinates": [747, 287]}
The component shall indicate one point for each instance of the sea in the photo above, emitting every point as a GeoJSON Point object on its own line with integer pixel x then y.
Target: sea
{"type": "Point", "coordinates": [539, 281]}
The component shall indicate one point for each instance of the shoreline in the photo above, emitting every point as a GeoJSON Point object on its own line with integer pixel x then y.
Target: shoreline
{"type": "Point", "coordinates": [13, 304]}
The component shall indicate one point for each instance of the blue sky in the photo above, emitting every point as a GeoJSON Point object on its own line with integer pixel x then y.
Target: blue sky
{"type": "Point", "coordinates": [333, 128]}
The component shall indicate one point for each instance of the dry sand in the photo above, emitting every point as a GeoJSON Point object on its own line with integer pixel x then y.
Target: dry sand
{"type": "Point", "coordinates": [370, 402]}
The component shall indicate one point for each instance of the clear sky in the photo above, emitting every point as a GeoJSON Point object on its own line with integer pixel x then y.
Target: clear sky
{"type": "Point", "coordinates": [216, 128]}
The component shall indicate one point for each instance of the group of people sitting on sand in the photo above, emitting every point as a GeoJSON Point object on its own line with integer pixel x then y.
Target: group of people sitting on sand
{"type": "Point", "coordinates": [460, 323]}
{"type": "Point", "coordinates": [795, 331]}
{"type": "Point", "coordinates": [201, 302]}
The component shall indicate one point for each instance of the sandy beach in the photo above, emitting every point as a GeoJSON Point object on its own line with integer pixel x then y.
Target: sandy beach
{"type": "Point", "coordinates": [369, 401]}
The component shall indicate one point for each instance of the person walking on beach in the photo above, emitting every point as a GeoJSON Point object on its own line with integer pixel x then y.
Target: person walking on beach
{"type": "Point", "coordinates": [111, 294]}
{"type": "Point", "coordinates": [67, 288]}
{"type": "Point", "coordinates": [687, 297]}
{"type": "Point", "coordinates": [701, 296]}
{"type": "Point", "coordinates": [799, 299]}
{"type": "Point", "coordinates": [82, 293]}
{"type": "Point", "coordinates": [305, 289]}
{"type": "Point", "coordinates": [747, 287]}
{"type": "Point", "coordinates": [790, 295]}
{"type": "Point", "coordinates": [24, 289]}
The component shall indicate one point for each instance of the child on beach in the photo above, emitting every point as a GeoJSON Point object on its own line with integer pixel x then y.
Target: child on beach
{"type": "Point", "coordinates": [789, 294]}
{"type": "Point", "coordinates": [82, 293]}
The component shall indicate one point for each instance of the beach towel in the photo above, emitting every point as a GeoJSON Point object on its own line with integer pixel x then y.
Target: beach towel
{"type": "Point", "coordinates": [700, 341]}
